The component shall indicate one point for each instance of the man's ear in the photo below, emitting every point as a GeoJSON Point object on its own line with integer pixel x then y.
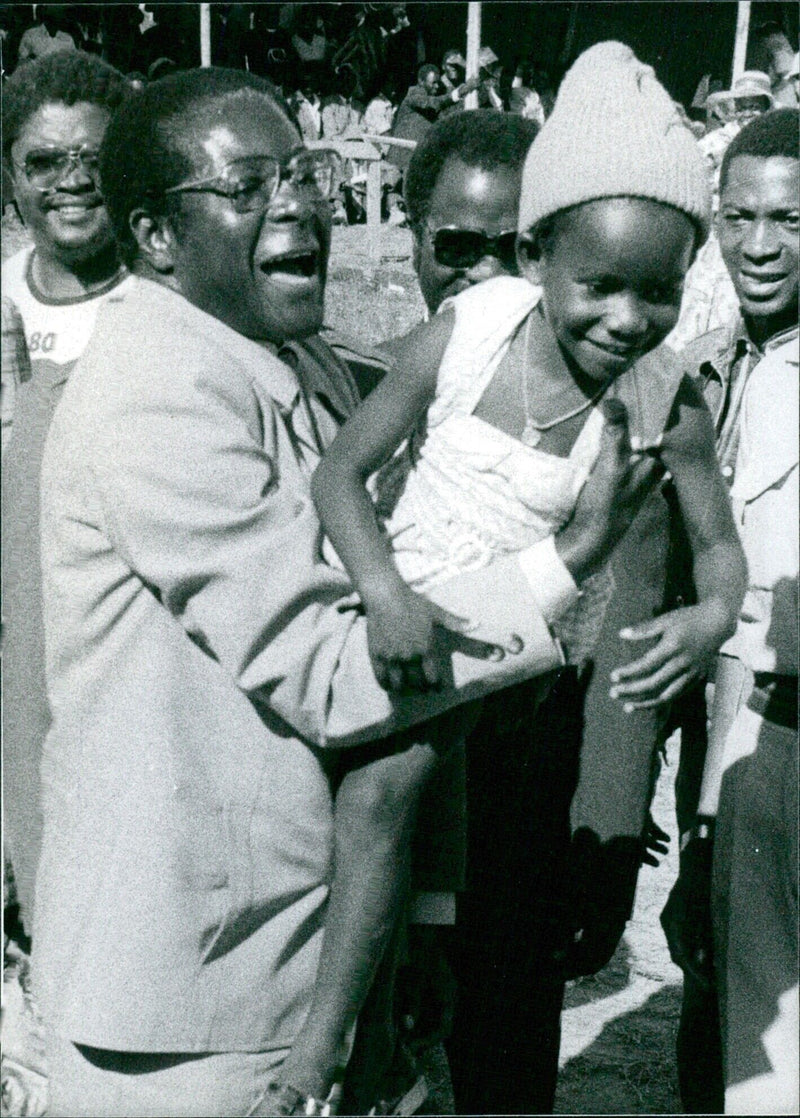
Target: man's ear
{"type": "Point", "coordinates": [529, 257]}
{"type": "Point", "coordinates": [155, 237]}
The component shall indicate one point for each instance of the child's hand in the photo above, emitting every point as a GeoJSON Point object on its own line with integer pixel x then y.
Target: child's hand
{"type": "Point", "coordinates": [687, 642]}
{"type": "Point", "coordinates": [401, 633]}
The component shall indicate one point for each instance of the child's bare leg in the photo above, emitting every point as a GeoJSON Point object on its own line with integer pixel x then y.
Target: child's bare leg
{"type": "Point", "coordinates": [375, 810]}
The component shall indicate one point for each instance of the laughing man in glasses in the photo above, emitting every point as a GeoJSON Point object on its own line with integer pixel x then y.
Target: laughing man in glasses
{"type": "Point", "coordinates": [205, 666]}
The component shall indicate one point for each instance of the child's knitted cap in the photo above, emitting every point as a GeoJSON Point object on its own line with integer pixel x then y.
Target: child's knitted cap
{"type": "Point", "coordinates": [614, 132]}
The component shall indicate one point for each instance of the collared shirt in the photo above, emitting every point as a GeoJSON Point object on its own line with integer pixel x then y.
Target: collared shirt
{"type": "Point", "coordinates": [765, 503]}
{"type": "Point", "coordinates": [722, 362]}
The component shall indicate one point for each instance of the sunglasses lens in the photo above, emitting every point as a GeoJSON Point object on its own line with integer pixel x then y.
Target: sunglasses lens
{"type": "Point", "coordinates": [458, 248]}
{"type": "Point", "coordinates": [507, 251]}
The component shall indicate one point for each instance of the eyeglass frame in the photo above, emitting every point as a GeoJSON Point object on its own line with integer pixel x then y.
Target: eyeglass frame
{"type": "Point", "coordinates": [208, 185]}
{"type": "Point", "coordinates": [490, 245]}
{"type": "Point", "coordinates": [76, 158]}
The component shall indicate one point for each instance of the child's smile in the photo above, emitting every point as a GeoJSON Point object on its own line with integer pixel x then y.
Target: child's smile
{"type": "Point", "coordinates": [612, 274]}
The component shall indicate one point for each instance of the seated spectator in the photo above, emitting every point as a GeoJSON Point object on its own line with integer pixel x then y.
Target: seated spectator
{"type": "Point", "coordinates": [308, 106]}
{"type": "Point", "coordinates": [454, 70]}
{"type": "Point", "coordinates": [379, 115]}
{"type": "Point", "coordinates": [523, 98]}
{"type": "Point", "coordinates": [341, 113]}
{"type": "Point", "coordinates": [490, 70]}
{"type": "Point", "coordinates": [47, 36]}
{"type": "Point", "coordinates": [421, 107]}
{"type": "Point", "coordinates": [773, 53]}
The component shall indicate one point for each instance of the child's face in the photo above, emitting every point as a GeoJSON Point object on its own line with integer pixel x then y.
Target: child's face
{"type": "Point", "coordinates": [612, 274]}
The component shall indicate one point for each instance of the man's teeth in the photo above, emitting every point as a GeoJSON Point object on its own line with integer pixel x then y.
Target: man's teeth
{"type": "Point", "coordinates": [303, 264]}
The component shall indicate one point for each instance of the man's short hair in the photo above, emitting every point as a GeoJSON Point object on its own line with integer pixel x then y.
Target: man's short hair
{"type": "Point", "coordinates": [69, 77]}
{"type": "Point", "coordinates": [142, 155]}
{"type": "Point", "coordinates": [484, 138]}
{"type": "Point", "coordinates": [769, 135]}
{"type": "Point", "coordinates": [425, 69]}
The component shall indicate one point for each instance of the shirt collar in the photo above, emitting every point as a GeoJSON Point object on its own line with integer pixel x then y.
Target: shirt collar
{"type": "Point", "coordinates": [790, 334]}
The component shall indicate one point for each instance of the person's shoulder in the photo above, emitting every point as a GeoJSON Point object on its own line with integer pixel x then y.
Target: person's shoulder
{"type": "Point", "coordinates": [14, 272]}
{"type": "Point", "coordinates": [500, 294]}
{"type": "Point", "coordinates": [712, 346]}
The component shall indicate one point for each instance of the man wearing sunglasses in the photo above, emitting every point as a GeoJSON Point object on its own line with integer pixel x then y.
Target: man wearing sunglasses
{"type": "Point", "coordinates": [204, 664]}
{"type": "Point", "coordinates": [55, 112]}
{"type": "Point", "coordinates": [462, 196]}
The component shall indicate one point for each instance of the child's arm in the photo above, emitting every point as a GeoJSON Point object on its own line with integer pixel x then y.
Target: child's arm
{"type": "Point", "coordinates": [688, 639]}
{"type": "Point", "coordinates": [400, 623]}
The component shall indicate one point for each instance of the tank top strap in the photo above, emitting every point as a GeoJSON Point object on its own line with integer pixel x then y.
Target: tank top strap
{"type": "Point", "coordinates": [648, 392]}
{"type": "Point", "coordinates": [486, 317]}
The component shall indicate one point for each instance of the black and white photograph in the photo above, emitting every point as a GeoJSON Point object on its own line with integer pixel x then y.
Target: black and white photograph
{"type": "Point", "coordinates": [399, 558]}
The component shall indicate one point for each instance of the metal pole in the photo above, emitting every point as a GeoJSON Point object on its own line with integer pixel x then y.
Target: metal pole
{"type": "Point", "coordinates": [205, 34]}
{"type": "Point", "coordinates": [740, 42]}
{"type": "Point", "coordinates": [473, 49]}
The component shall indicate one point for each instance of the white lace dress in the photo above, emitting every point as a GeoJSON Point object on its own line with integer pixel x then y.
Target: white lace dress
{"type": "Point", "coordinates": [461, 492]}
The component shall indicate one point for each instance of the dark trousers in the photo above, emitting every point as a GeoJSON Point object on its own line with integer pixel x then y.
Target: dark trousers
{"type": "Point", "coordinates": [522, 769]}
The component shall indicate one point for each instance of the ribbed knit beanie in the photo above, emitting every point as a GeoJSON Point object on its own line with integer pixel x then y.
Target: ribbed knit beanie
{"type": "Point", "coordinates": [614, 132]}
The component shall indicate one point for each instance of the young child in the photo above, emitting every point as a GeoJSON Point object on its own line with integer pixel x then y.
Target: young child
{"type": "Point", "coordinates": [486, 429]}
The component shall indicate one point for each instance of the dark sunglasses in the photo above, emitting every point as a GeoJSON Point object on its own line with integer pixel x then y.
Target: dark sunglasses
{"type": "Point", "coordinates": [45, 168]}
{"type": "Point", "coordinates": [463, 248]}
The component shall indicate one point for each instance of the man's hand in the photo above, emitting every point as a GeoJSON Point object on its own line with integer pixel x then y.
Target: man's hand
{"type": "Point", "coordinates": [613, 494]}
{"type": "Point", "coordinates": [411, 639]}
{"type": "Point", "coordinates": [468, 86]}
{"type": "Point", "coordinates": [686, 918]}
{"type": "Point", "coordinates": [687, 641]}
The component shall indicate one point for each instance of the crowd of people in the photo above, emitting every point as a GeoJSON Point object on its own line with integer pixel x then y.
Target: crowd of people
{"type": "Point", "coordinates": [335, 676]}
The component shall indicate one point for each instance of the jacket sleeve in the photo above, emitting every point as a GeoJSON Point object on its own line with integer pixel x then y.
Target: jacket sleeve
{"type": "Point", "coordinates": [208, 504]}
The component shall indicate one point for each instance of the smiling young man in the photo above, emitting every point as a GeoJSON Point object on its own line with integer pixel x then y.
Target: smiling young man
{"type": "Point", "coordinates": [55, 113]}
{"type": "Point", "coordinates": [748, 792]}
{"type": "Point", "coordinates": [202, 656]}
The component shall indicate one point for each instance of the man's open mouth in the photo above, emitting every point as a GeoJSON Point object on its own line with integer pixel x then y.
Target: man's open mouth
{"type": "Point", "coordinates": [302, 265]}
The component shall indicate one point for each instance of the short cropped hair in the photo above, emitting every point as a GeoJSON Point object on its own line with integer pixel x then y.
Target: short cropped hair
{"type": "Point", "coordinates": [425, 69]}
{"type": "Point", "coordinates": [69, 77]}
{"type": "Point", "coordinates": [141, 155]}
{"type": "Point", "coordinates": [772, 134]}
{"type": "Point", "coordinates": [484, 138]}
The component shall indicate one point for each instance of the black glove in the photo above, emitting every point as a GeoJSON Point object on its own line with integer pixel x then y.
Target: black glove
{"type": "Point", "coordinates": [600, 887]}
{"type": "Point", "coordinates": [426, 988]}
{"type": "Point", "coordinates": [686, 918]}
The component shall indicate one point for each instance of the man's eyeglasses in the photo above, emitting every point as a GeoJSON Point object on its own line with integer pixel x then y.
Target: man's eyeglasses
{"type": "Point", "coordinates": [252, 182]}
{"type": "Point", "coordinates": [463, 248]}
{"type": "Point", "coordinates": [45, 168]}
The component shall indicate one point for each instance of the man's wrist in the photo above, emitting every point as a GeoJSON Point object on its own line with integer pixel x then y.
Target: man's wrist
{"type": "Point", "coordinates": [702, 830]}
